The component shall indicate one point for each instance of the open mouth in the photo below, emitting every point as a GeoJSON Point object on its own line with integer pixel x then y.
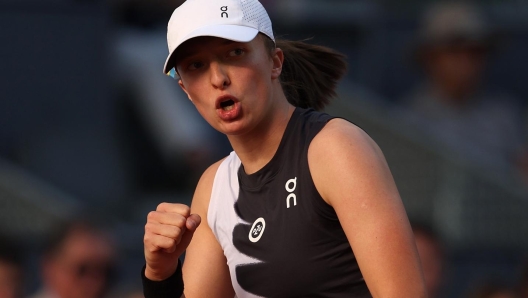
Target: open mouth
{"type": "Point", "coordinates": [227, 105]}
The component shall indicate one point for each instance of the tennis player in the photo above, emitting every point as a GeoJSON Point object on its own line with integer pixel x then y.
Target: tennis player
{"type": "Point", "coordinates": [305, 205]}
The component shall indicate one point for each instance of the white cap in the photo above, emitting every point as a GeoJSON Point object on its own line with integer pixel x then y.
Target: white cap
{"type": "Point", "coordinates": [237, 20]}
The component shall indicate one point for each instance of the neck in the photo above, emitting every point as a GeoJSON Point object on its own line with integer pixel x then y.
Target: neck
{"type": "Point", "coordinates": [257, 148]}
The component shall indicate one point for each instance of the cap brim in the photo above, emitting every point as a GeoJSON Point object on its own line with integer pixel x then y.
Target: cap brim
{"type": "Point", "coordinates": [232, 32]}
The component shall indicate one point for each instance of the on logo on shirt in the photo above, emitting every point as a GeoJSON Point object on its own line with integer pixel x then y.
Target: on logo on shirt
{"type": "Point", "coordinates": [291, 189]}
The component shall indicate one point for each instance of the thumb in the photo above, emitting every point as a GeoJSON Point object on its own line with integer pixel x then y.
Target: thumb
{"type": "Point", "coordinates": [192, 223]}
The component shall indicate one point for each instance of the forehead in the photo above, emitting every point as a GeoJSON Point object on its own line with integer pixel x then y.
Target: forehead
{"type": "Point", "coordinates": [197, 45]}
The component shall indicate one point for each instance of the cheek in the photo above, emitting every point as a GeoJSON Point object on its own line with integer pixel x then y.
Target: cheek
{"type": "Point", "coordinates": [203, 104]}
{"type": "Point", "coordinates": [257, 76]}
{"type": "Point", "coordinates": [196, 90]}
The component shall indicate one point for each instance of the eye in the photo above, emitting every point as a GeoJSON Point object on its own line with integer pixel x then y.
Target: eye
{"type": "Point", "coordinates": [195, 65]}
{"type": "Point", "coordinates": [236, 52]}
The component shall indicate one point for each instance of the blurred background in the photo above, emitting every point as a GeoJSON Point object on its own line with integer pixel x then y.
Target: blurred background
{"type": "Point", "coordinates": [93, 135]}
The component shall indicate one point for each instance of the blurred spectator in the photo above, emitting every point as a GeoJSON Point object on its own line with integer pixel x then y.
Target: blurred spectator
{"type": "Point", "coordinates": [431, 252]}
{"type": "Point", "coordinates": [490, 290]}
{"type": "Point", "coordinates": [10, 270]}
{"type": "Point", "coordinates": [454, 45]}
{"type": "Point", "coordinates": [78, 263]}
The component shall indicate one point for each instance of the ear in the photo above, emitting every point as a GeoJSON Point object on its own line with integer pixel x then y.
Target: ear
{"type": "Point", "coordinates": [278, 60]}
{"type": "Point", "coordinates": [184, 90]}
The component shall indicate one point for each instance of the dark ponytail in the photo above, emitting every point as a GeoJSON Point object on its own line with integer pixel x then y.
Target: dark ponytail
{"type": "Point", "coordinates": [310, 73]}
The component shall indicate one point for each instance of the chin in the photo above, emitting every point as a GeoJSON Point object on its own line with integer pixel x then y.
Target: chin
{"type": "Point", "coordinates": [235, 128]}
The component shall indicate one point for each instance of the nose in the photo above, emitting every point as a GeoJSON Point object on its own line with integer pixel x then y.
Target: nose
{"type": "Point", "coordinates": [219, 76]}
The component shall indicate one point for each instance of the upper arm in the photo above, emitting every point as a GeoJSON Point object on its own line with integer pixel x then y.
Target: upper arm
{"type": "Point", "coordinates": [351, 174]}
{"type": "Point", "coordinates": [205, 270]}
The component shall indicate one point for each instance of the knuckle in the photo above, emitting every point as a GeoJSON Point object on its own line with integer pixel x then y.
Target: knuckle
{"type": "Point", "coordinates": [151, 248]}
{"type": "Point", "coordinates": [146, 239]}
{"type": "Point", "coordinates": [180, 221]}
{"type": "Point", "coordinates": [148, 227]}
{"type": "Point", "coordinates": [162, 206]}
{"type": "Point", "coordinates": [176, 232]}
{"type": "Point", "coordinates": [171, 242]}
{"type": "Point", "coordinates": [177, 240]}
{"type": "Point", "coordinates": [151, 215]}
{"type": "Point", "coordinates": [186, 210]}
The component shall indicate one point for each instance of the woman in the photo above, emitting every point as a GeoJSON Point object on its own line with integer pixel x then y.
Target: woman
{"type": "Point", "coordinates": [305, 206]}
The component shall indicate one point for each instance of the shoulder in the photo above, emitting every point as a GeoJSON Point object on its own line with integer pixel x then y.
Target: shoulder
{"type": "Point", "coordinates": [202, 193]}
{"type": "Point", "coordinates": [351, 175]}
{"type": "Point", "coordinates": [205, 270]}
{"type": "Point", "coordinates": [340, 136]}
{"type": "Point", "coordinates": [342, 156]}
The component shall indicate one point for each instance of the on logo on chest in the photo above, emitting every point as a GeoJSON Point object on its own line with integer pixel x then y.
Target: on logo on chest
{"type": "Point", "coordinates": [290, 186]}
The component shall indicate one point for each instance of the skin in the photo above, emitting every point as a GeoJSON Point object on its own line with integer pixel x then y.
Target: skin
{"type": "Point", "coordinates": [432, 259]}
{"type": "Point", "coordinates": [365, 199]}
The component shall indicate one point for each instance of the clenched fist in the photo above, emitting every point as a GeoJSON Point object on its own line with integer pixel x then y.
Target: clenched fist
{"type": "Point", "coordinates": [168, 232]}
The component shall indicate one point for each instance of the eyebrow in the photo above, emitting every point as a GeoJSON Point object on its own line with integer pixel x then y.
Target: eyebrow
{"type": "Point", "coordinates": [180, 55]}
{"type": "Point", "coordinates": [227, 41]}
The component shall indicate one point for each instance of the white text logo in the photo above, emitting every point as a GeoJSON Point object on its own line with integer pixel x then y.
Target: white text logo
{"type": "Point", "coordinates": [291, 189]}
{"type": "Point", "coordinates": [224, 12]}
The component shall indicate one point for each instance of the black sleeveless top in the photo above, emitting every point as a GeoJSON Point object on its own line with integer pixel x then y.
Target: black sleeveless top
{"type": "Point", "coordinates": [280, 238]}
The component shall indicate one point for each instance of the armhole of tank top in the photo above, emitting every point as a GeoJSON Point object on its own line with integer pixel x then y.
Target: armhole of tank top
{"type": "Point", "coordinates": [213, 200]}
{"type": "Point", "coordinates": [222, 174]}
{"type": "Point", "coordinates": [321, 206]}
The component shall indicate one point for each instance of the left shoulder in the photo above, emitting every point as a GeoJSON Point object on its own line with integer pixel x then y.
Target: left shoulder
{"type": "Point", "coordinates": [343, 138]}
{"type": "Point", "coordinates": [351, 175]}
{"type": "Point", "coordinates": [344, 154]}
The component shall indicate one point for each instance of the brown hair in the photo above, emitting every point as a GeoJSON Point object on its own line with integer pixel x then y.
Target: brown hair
{"type": "Point", "coordinates": [309, 73]}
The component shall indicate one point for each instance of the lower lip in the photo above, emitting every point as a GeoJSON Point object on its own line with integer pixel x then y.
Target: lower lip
{"type": "Point", "coordinates": [230, 115]}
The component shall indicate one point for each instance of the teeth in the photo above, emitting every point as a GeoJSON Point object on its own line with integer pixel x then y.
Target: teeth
{"type": "Point", "coordinates": [227, 108]}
